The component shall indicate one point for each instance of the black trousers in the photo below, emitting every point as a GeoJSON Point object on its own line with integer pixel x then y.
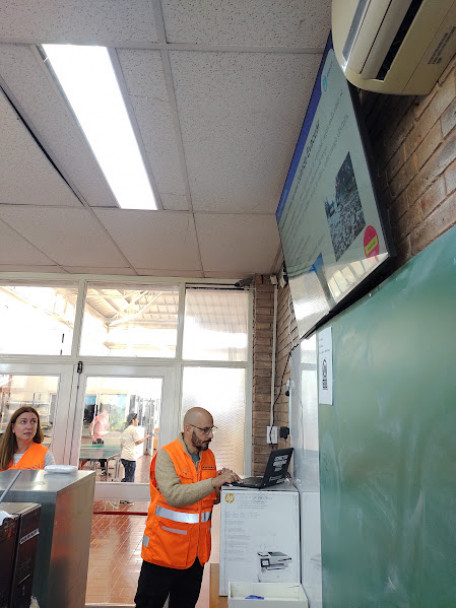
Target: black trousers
{"type": "Point", "coordinates": [156, 582]}
{"type": "Point", "coordinates": [130, 468]}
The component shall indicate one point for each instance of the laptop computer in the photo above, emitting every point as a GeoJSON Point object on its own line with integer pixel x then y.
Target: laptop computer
{"type": "Point", "coordinates": [275, 472]}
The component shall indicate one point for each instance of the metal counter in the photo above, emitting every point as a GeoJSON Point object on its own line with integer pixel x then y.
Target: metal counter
{"type": "Point", "coordinates": [60, 576]}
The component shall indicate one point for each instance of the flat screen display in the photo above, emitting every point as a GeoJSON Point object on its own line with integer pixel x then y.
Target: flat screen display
{"type": "Point", "coordinates": [331, 229]}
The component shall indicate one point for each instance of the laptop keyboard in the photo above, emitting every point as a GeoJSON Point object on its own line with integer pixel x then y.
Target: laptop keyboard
{"type": "Point", "coordinates": [251, 481]}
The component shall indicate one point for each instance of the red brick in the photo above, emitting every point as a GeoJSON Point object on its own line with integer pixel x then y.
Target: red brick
{"type": "Point", "coordinates": [281, 408]}
{"type": "Point", "coordinates": [264, 289]}
{"type": "Point", "coordinates": [263, 358]}
{"type": "Point", "coordinates": [263, 399]}
{"type": "Point", "coordinates": [264, 298]}
{"type": "Point", "coordinates": [422, 102]}
{"type": "Point", "coordinates": [432, 197]}
{"type": "Point", "coordinates": [446, 93]}
{"type": "Point", "coordinates": [262, 382]}
{"type": "Point", "coordinates": [434, 167]}
{"type": "Point", "coordinates": [398, 122]}
{"type": "Point", "coordinates": [429, 145]}
{"type": "Point", "coordinates": [264, 320]}
{"type": "Point", "coordinates": [263, 326]}
{"type": "Point", "coordinates": [263, 348]}
{"type": "Point", "coordinates": [396, 162]}
{"type": "Point", "coordinates": [450, 177]}
{"type": "Point", "coordinates": [410, 220]}
{"type": "Point", "coordinates": [438, 99]}
{"type": "Point", "coordinates": [404, 177]}
{"type": "Point", "coordinates": [398, 208]}
{"type": "Point", "coordinates": [449, 72]}
{"type": "Point", "coordinates": [263, 310]}
{"type": "Point", "coordinates": [261, 388]}
{"type": "Point", "coordinates": [448, 119]}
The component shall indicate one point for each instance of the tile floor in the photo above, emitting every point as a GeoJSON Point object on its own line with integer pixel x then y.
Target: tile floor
{"type": "Point", "coordinates": [115, 550]}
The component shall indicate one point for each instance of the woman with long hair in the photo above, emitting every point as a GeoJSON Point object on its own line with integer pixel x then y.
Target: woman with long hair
{"type": "Point", "coordinates": [22, 443]}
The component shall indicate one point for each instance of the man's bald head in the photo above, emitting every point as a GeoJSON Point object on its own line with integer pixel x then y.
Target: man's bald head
{"type": "Point", "coordinates": [198, 424]}
{"type": "Point", "coordinates": [199, 417]}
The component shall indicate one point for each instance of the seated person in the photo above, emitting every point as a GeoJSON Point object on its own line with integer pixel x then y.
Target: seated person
{"type": "Point", "coordinates": [22, 444]}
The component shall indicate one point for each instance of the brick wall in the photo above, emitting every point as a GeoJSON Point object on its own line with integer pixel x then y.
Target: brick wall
{"type": "Point", "coordinates": [263, 338]}
{"type": "Point", "coordinates": [414, 147]}
{"type": "Point", "coordinates": [413, 142]}
{"type": "Point", "coordinates": [263, 322]}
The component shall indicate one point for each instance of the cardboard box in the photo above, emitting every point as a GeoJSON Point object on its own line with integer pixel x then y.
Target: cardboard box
{"type": "Point", "coordinates": [276, 595]}
{"type": "Point", "coordinates": [259, 536]}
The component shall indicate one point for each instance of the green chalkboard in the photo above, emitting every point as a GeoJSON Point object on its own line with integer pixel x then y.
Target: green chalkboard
{"type": "Point", "coordinates": [388, 443]}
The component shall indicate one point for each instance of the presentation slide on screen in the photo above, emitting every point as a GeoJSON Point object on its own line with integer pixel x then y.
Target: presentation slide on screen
{"type": "Point", "coordinates": [330, 229]}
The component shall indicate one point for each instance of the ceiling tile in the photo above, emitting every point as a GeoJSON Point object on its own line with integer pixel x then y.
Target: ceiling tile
{"type": "Point", "coordinates": [256, 23]}
{"type": "Point", "coordinates": [26, 175]}
{"type": "Point", "coordinates": [80, 22]}
{"type": "Point", "coordinates": [48, 115]}
{"type": "Point", "coordinates": [70, 237]}
{"type": "Point", "coordinates": [16, 250]}
{"type": "Point", "coordinates": [146, 85]}
{"type": "Point", "coordinates": [174, 273]}
{"type": "Point", "coordinates": [218, 92]}
{"type": "Point", "coordinates": [30, 268]}
{"type": "Point", "coordinates": [157, 240]}
{"type": "Point", "coordinates": [238, 244]}
{"type": "Point", "coordinates": [99, 271]}
{"type": "Point", "coordinates": [238, 126]}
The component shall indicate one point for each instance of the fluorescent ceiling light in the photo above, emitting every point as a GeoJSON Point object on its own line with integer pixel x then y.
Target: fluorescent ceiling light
{"type": "Point", "coordinates": [87, 78]}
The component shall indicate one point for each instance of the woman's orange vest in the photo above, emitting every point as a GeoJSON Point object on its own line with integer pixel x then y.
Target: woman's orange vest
{"type": "Point", "coordinates": [176, 536]}
{"type": "Point", "coordinates": [33, 458]}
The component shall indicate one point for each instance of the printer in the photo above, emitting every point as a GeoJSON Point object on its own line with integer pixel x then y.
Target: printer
{"type": "Point", "coordinates": [271, 565]}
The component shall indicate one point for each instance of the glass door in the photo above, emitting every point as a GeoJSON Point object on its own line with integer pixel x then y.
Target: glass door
{"type": "Point", "coordinates": [44, 387]}
{"type": "Point", "coordinates": [109, 400]}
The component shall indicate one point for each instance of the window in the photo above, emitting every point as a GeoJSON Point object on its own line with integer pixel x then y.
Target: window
{"type": "Point", "coordinates": [221, 391]}
{"type": "Point", "coordinates": [37, 319]}
{"type": "Point", "coordinates": [130, 321]}
{"type": "Point", "coordinates": [216, 324]}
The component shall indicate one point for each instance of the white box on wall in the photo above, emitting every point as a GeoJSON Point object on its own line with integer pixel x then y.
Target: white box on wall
{"type": "Point", "coordinates": [259, 536]}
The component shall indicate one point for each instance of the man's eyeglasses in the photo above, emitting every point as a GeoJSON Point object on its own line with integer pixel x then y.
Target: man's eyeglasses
{"type": "Point", "coordinates": [207, 430]}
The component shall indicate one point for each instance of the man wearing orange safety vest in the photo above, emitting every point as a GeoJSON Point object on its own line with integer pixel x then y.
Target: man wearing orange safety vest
{"type": "Point", "coordinates": [184, 486]}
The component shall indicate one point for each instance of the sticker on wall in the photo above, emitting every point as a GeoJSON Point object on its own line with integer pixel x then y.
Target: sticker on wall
{"type": "Point", "coordinates": [325, 377]}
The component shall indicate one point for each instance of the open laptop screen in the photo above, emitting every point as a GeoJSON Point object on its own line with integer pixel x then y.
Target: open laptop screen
{"type": "Point", "coordinates": [275, 472]}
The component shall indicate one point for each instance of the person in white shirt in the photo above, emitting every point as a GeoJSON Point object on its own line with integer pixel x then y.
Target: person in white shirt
{"type": "Point", "coordinates": [128, 442]}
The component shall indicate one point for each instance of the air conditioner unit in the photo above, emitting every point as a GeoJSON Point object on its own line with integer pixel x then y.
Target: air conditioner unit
{"type": "Point", "coordinates": [400, 47]}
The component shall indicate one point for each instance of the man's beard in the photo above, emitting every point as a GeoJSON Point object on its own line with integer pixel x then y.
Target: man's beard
{"type": "Point", "coordinates": [198, 444]}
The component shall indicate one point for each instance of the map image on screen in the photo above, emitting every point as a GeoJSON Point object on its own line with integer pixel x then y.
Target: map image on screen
{"type": "Point", "coordinates": [344, 212]}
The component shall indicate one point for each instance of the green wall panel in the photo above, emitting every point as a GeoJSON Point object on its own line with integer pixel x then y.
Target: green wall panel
{"type": "Point", "coordinates": [388, 444]}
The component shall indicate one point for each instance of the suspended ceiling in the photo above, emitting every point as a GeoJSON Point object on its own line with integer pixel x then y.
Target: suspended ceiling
{"type": "Point", "coordinates": [217, 91]}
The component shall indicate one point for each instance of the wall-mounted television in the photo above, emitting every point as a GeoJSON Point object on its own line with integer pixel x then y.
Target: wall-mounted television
{"type": "Point", "coordinates": [332, 227]}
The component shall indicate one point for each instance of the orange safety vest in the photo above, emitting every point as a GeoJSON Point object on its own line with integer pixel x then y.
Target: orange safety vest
{"type": "Point", "coordinates": [175, 536]}
{"type": "Point", "coordinates": [33, 458]}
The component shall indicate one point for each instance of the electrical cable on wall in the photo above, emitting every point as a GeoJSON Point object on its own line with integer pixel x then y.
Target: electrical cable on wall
{"type": "Point", "coordinates": [279, 393]}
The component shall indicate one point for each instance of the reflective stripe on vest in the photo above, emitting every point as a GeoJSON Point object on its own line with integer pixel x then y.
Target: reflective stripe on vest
{"type": "Point", "coordinates": [183, 518]}
{"type": "Point", "coordinates": [174, 530]}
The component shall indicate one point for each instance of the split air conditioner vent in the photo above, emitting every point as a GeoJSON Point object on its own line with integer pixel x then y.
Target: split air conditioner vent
{"type": "Point", "coordinates": [394, 46]}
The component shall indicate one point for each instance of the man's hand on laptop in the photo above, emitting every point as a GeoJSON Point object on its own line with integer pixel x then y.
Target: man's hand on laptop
{"type": "Point", "coordinates": [224, 476]}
